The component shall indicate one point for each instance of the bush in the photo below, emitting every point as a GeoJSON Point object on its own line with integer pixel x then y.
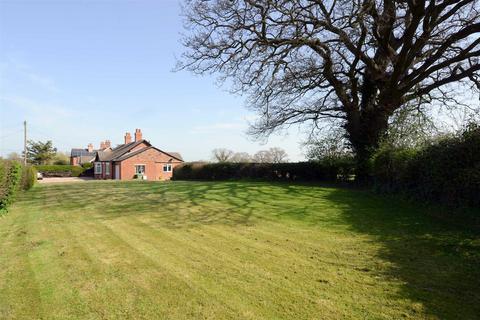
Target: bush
{"type": "Point", "coordinates": [29, 177]}
{"type": "Point", "coordinates": [60, 162]}
{"type": "Point", "coordinates": [445, 172]}
{"type": "Point", "coordinates": [87, 165]}
{"type": "Point", "coordinates": [391, 169]}
{"type": "Point", "coordinates": [14, 177]}
{"type": "Point", "coordinates": [295, 171]}
{"type": "Point", "coordinates": [88, 170]}
{"type": "Point", "coordinates": [59, 170]}
{"type": "Point", "coordinates": [10, 179]}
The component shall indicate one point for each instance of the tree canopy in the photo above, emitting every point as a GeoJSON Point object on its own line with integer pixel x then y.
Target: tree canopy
{"type": "Point", "coordinates": [352, 63]}
{"type": "Point", "coordinates": [272, 155]}
{"type": "Point", "coordinates": [40, 152]}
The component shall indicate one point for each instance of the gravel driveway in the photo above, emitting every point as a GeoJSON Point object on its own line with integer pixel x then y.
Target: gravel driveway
{"type": "Point", "coordinates": [65, 180]}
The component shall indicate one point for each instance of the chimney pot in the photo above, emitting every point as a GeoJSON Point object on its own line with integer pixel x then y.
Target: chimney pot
{"type": "Point", "coordinates": [138, 135]}
{"type": "Point", "coordinates": [128, 138]}
{"type": "Point", "coordinates": [102, 145]}
{"type": "Point", "coordinates": [90, 147]}
{"type": "Point", "coordinates": [107, 144]}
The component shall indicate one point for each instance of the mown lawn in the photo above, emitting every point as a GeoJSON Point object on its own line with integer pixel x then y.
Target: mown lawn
{"type": "Point", "coordinates": [233, 250]}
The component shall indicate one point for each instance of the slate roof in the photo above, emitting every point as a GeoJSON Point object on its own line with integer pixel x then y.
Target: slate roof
{"type": "Point", "coordinates": [85, 159]}
{"type": "Point", "coordinates": [175, 155]}
{"type": "Point", "coordinates": [119, 153]}
{"type": "Point", "coordinates": [77, 152]}
{"type": "Point", "coordinates": [127, 154]}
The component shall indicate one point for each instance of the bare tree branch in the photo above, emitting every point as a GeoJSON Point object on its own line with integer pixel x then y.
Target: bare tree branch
{"type": "Point", "coordinates": [357, 61]}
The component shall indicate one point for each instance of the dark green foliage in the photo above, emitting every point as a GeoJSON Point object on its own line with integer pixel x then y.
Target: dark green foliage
{"type": "Point", "coordinates": [391, 169]}
{"type": "Point", "coordinates": [445, 172]}
{"type": "Point", "coordinates": [298, 171]}
{"type": "Point", "coordinates": [87, 170]}
{"type": "Point", "coordinates": [87, 165]}
{"type": "Point", "coordinates": [10, 179]}
{"type": "Point", "coordinates": [60, 170]}
{"type": "Point", "coordinates": [40, 152]}
{"type": "Point", "coordinates": [29, 177]}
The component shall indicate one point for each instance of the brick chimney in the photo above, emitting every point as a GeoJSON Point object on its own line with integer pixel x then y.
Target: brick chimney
{"type": "Point", "coordinates": [90, 147]}
{"type": "Point", "coordinates": [102, 145]}
{"type": "Point", "coordinates": [128, 138]}
{"type": "Point", "coordinates": [138, 135]}
{"type": "Point", "coordinates": [107, 144]}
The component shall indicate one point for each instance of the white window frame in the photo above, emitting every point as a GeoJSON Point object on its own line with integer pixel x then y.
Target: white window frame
{"type": "Point", "coordinates": [140, 165]}
{"type": "Point", "coordinates": [98, 168]}
{"type": "Point", "coordinates": [168, 166]}
{"type": "Point", "coordinates": [107, 168]}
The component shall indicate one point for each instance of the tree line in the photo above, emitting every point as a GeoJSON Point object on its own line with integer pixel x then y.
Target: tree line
{"type": "Point", "coordinates": [272, 155]}
{"type": "Point", "coordinates": [41, 153]}
{"type": "Point", "coordinates": [347, 65]}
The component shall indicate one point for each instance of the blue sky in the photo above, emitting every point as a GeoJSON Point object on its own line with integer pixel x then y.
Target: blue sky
{"type": "Point", "coordinates": [86, 71]}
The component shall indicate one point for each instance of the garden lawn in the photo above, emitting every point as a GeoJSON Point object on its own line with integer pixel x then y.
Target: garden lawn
{"type": "Point", "coordinates": [230, 250]}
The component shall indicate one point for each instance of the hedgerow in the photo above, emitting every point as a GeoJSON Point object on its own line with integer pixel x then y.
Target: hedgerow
{"type": "Point", "coordinates": [87, 165]}
{"type": "Point", "coordinates": [14, 177]}
{"type": "Point", "coordinates": [29, 177]}
{"type": "Point", "coordinates": [59, 170]}
{"type": "Point", "coordinates": [297, 171]}
{"type": "Point", "coordinates": [445, 172]}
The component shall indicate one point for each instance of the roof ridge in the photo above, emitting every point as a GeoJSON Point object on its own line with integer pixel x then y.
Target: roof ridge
{"type": "Point", "coordinates": [117, 157]}
{"type": "Point", "coordinates": [122, 150]}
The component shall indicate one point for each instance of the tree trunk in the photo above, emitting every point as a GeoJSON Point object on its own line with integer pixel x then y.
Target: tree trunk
{"type": "Point", "coordinates": [365, 129]}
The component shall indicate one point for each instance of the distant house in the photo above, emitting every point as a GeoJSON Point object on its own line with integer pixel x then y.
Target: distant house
{"type": "Point", "coordinates": [128, 160]}
{"type": "Point", "coordinates": [82, 156]}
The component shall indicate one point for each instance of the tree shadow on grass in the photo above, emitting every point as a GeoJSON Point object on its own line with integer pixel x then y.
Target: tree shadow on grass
{"type": "Point", "coordinates": [438, 264]}
{"type": "Point", "coordinates": [186, 207]}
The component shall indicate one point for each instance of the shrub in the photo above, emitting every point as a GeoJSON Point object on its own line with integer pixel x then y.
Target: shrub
{"type": "Point", "coordinates": [60, 170]}
{"type": "Point", "coordinates": [29, 177]}
{"type": "Point", "coordinates": [87, 165]}
{"type": "Point", "coordinates": [445, 172]}
{"type": "Point", "coordinates": [14, 177]}
{"type": "Point", "coordinates": [295, 171]}
{"type": "Point", "coordinates": [391, 169]}
{"type": "Point", "coordinates": [10, 179]}
{"type": "Point", "coordinates": [87, 170]}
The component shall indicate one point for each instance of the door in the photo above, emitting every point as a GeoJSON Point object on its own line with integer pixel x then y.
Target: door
{"type": "Point", "coordinates": [117, 172]}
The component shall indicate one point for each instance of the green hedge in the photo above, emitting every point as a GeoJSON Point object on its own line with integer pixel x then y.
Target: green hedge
{"type": "Point", "coordinates": [298, 171]}
{"type": "Point", "coordinates": [59, 170]}
{"type": "Point", "coordinates": [87, 165]}
{"type": "Point", "coordinates": [445, 172]}
{"type": "Point", "coordinates": [29, 177]}
{"type": "Point", "coordinates": [14, 177]}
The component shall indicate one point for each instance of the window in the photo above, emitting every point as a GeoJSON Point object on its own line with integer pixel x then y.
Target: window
{"type": "Point", "coordinates": [107, 168]}
{"type": "Point", "coordinates": [140, 169]}
{"type": "Point", "coordinates": [167, 168]}
{"type": "Point", "coordinates": [98, 168]}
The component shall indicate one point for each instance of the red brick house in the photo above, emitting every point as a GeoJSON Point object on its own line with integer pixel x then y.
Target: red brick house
{"type": "Point", "coordinates": [132, 159]}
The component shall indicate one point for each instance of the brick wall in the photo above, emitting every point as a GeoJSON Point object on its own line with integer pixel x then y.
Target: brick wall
{"type": "Point", "coordinates": [153, 161]}
{"type": "Point", "coordinates": [104, 174]}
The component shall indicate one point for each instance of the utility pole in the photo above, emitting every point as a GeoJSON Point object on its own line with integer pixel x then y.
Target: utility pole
{"type": "Point", "coordinates": [25, 142]}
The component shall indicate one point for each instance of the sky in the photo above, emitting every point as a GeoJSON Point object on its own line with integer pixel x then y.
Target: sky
{"type": "Point", "coordinates": [87, 71]}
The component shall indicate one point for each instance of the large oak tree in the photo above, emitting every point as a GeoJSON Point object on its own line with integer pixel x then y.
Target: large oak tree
{"type": "Point", "coordinates": [354, 61]}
